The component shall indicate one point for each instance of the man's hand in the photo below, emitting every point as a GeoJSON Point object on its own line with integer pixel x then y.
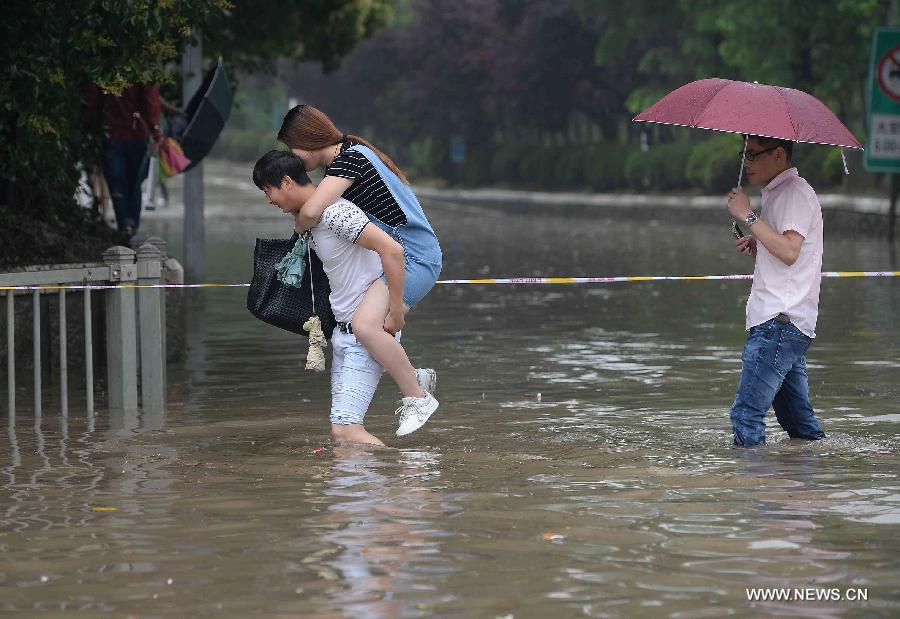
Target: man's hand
{"type": "Point", "coordinates": [394, 322]}
{"type": "Point", "coordinates": [739, 204]}
{"type": "Point", "coordinates": [746, 245]}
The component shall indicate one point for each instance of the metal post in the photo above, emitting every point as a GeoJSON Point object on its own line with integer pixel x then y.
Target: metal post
{"type": "Point", "coordinates": [36, 346]}
{"type": "Point", "coordinates": [11, 352]}
{"type": "Point", "coordinates": [892, 213]}
{"type": "Point", "coordinates": [163, 248]}
{"type": "Point", "coordinates": [151, 329]}
{"type": "Point", "coordinates": [63, 362]}
{"type": "Point", "coordinates": [88, 353]}
{"type": "Point", "coordinates": [194, 240]}
{"type": "Point", "coordinates": [121, 340]}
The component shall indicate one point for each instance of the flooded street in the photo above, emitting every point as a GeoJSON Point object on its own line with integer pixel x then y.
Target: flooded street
{"type": "Point", "coordinates": [580, 463]}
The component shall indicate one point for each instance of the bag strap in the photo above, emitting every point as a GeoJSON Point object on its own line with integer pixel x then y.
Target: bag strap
{"type": "Point", "coordinates": [309, 263]}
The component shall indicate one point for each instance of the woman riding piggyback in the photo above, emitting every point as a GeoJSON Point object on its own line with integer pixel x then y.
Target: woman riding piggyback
{"type": "Point", "coordinates": [360, 173]}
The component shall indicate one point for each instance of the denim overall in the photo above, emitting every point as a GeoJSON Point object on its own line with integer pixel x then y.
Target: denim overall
{"type": "Point", "coordinates": [420, 244]}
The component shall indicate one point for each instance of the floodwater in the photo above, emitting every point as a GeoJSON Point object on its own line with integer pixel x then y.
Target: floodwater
{"type": "Point", "coordinates": [580, 463]}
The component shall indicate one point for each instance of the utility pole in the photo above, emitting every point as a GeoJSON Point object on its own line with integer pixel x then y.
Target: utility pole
{"type": "Point", "coordinates": [194, 235]}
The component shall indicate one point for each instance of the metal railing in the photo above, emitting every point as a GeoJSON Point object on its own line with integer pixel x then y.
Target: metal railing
{"type": "Point", "coordinates": [135, 326]}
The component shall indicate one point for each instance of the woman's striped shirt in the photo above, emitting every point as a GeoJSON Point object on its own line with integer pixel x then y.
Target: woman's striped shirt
{"type": "Point", "coordinates": [368, 191]}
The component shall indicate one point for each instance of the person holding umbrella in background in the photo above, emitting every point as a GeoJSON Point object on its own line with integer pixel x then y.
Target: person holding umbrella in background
{"type": "Point", "coordinates": [787, 246]}
{"type": "Point", "coordinates": [127, 123]}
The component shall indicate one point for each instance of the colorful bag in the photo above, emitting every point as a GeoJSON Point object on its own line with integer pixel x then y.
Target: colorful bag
{"type": "Point", "coordinates": [171, 157]}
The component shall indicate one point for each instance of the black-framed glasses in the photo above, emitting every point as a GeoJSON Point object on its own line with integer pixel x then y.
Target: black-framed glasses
{"type": "Point", "coordinates": [751, 156]}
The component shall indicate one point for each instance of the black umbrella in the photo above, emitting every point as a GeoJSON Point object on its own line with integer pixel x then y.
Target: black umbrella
{"type": "Point", "coordinates": [206, 114]}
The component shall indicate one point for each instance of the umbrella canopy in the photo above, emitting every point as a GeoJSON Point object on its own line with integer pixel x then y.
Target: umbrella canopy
{"type": "Point", "coordinates": [756, 109]}
{"type": "Point", "coordinates": [206, 112]}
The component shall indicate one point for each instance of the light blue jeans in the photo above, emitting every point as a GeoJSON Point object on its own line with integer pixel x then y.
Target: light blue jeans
{"type": "Point", "coordinates": [420, 278]}
{"type": "Point", "coordinates": [774, 375]}
{"type": "Point", "coordinates": [354, 378]}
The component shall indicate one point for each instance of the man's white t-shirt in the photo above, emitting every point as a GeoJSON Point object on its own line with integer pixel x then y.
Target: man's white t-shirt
{"type": "Point", "coordinates": [789, 203]}
{"type": "Point", "coordinates": [351, 269]}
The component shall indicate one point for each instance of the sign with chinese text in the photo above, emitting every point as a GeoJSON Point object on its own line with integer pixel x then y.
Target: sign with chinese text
{"type": "Point", "coordinates": [883, 147]}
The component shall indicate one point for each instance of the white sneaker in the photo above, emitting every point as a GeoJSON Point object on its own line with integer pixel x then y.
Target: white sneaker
{"type": "Point", "coordinates": [414, 412]}
{"type": "Point", "coordinates": [427, 379]}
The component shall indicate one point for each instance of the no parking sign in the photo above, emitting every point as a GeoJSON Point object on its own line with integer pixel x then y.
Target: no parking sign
{"type": "Point", "coordinates": [883, 148]}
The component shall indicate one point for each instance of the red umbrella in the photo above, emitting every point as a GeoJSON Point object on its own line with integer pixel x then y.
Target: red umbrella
{"type": "Point", "coordinates": [756, 109]}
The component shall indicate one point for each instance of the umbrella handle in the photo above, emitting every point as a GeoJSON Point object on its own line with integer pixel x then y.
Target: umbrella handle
{"type": "Point", "coordinates": [741, 174]}
{"type": "Point", "coordinates": [743, 157]}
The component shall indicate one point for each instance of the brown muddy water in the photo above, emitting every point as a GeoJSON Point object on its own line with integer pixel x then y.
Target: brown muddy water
{"type": "Point", "coordinates": [580, 463]}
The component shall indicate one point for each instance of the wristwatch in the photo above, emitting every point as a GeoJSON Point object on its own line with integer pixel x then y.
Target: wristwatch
{"type": "Point", "coordinates": [751, 219]}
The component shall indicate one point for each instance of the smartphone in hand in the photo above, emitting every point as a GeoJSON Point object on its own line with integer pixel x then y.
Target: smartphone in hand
{"type": "Point", "coordinates": [736, 231]}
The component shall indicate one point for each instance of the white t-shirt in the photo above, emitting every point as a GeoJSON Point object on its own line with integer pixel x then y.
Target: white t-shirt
{"type": "Point", "coordinates": [789, 203]}
{"type": "Point", "coordinates": [351, 269]}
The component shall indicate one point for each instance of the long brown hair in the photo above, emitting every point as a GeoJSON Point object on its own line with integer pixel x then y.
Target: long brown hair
{"type": "Point", "coordinates": [308, 128]}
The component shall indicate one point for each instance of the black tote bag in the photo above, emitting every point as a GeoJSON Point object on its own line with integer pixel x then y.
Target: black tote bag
{"type": "Point", "coordinates": [284, 306]}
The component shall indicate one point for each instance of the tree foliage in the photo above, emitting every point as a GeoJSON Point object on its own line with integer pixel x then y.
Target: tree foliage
{"type": "Point", "coordinates": [53, 50]}
{"type": "Point", "coordinates": [546, 74]}
{"type": "Point", "coordinates": [252, 35]}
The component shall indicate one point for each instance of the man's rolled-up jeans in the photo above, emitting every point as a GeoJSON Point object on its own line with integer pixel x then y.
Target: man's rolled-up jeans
{"type": "Point", "coordinates": [774, 375]}
{"type": "Point", "coordinates": [354, 378]}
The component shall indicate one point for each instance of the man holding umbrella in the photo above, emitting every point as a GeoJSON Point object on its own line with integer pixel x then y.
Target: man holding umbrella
{"type": "Point", "coordinates": [784, 300]}
{"type": "Point", "coordinates": [786, 243]}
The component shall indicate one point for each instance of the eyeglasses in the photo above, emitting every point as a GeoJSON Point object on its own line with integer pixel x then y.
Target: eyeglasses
{"type": "Point", "coordinates": [751, 156]}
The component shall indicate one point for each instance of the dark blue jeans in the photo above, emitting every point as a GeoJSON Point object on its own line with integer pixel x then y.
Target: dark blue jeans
{"type": "Point", "coordinates": [123, 167]}
{"type": "Point", "coordinates": [774, 374]}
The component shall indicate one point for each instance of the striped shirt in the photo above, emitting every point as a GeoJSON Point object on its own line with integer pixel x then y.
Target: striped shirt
{"type": "Point", "coordinates": [368, 191]}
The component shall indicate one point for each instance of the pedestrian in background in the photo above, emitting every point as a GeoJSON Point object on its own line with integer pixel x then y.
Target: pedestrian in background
{"type": "Point", "coordinates": [128, 123]}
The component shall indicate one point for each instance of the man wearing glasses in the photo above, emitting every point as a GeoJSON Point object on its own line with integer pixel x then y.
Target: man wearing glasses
{"type": "Point", "coordinates": [786, 244]}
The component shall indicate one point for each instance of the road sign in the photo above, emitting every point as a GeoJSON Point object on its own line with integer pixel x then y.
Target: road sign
{"type": "Point", "coordinates": [883, 148]}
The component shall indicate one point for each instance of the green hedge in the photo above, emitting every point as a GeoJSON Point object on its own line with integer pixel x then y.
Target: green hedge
{"type": "Point", "coordinates": [604, 166]}
{"type": "Point", "coordinates": [596, 167]}
{"type": "Point", "coordinates": [244, 145]}
{"type": "Point", "coordinates": [661, 167]}
{"type": "Point", "coordinates": [710, 166]}
{"type": "Point", "coordinates": [820, 165]}
{"type": "Point", "coordinates": [714, 165]}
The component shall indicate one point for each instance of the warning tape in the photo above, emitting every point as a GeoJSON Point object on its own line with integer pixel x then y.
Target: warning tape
{"type": "Point", "coordinates": [504, 280]}
{"type": "Point", "coordinates": [647, 278]}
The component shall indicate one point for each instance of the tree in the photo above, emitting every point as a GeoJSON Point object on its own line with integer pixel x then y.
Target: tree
{"type": "Point", "coordinates": [252, 35]}
{"type": "Point", "coordinates": [52, 52]}
{"type": "Point", "coordinates": [47, 64]}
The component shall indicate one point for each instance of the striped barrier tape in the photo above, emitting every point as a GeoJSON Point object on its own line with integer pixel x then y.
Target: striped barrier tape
{"type": "Point", "coordinates": [504, 280]}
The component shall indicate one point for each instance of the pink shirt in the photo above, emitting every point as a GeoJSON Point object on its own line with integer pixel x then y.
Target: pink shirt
{"type": "Point", "coordinates": [789, 203]}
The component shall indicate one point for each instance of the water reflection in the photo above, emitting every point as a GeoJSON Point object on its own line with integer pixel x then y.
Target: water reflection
{"type": "Point", "coordinates": [384, 525]}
